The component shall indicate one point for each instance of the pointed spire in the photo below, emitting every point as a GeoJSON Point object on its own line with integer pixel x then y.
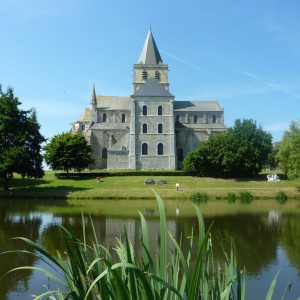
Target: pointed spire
{"type": "Point", "coordinates": [150, 54]}
{"type": "Point", "coordinates": [94, 98]}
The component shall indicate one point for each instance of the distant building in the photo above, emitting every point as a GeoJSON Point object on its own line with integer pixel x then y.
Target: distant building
{"type": "Point", "coordinates": [147, 130]}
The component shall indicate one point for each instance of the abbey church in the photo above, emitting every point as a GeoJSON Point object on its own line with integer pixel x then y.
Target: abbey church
{"type": "Point", "coordinates": [148, 130]}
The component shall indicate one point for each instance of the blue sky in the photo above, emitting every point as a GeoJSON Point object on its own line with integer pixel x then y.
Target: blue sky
{"type": "Point", "coordinates": [246, 54]}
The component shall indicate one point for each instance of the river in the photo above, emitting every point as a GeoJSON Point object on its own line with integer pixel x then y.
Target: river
{"type": "Point", "coordinates": [267, 238]}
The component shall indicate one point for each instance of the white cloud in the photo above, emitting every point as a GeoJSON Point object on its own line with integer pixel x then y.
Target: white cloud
{"type": "Point", "coordinates": [202, 69]}
{"type": "Point", "coordinates": [259, 86]}
{"type": "Point", "coordinates": [283, 89]}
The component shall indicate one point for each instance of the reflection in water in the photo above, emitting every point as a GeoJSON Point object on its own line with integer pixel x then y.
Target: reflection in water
{"type": "Point", "coordinates": [290, 240]}
{"type": "Point", "coordinates": [255, 240]}
{"type": "Point", "coordinates": [265, 243]}
{"type": "Point", "coordinates": [12, 226]}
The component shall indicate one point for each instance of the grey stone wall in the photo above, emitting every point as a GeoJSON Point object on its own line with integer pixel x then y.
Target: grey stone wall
{"type": "Point", "coordinates": [117, 160]}
{"type": "Point", "coordinates": [99, 139]}
{"type": "Point", "coordinates": [153, 162]}
{"type": "Point", "coordinates": [153, 137]}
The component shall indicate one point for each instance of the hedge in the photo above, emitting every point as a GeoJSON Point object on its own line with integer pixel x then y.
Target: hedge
{"type": "Point", "coordinates": [87, 175]}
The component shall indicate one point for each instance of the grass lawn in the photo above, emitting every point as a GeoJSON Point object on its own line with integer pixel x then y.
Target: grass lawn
{"type": "Point", "coordinates": [133, 187]}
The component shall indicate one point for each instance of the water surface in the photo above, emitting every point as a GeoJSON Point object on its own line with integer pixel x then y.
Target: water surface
{"type": "Point", "coordinates": [267, 240]}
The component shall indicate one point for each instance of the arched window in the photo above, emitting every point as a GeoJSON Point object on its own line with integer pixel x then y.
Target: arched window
{"type": "Point", "coordinates": [145, 128]}
{"type": "Point", "coordinates": [160, 149]}
{"type": "Point", "coordinates": [145, 110]}
{"type": "Point", "coordinates": [157, 75]}
{"type": "Point", "coordinates": [159, 110]}
{"type": "Point", "coordinates": [177, 119]}
{"type": "Point", "coordinates": [214, 119]}
{"type": "Point", "coordinates": [82, 127]}
{"type": "Point", "coordinates": [104, 117]}
{"type": "Point", "coordinates": [145, 74]}
{"type": "Point", "coordinates": [195, 119]}
{"type": "Point", "coordinates": [180, 154]}
{"type": "Point", "coordinates": [159, 128]}
{"type": "Point", "coordinates": [104, 153]}
{"type": "Point", "coordinates": [123, 118]}
{"type": "Point", "coordinates": [144, 149]}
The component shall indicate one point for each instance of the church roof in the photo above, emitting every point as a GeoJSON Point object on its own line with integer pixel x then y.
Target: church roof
{"type": "Point", "coordinates": [85, 116]}
{"type": "Point", "coordinates": [113, 102]}
{"type": "Point", "coordinates": [150, 54]}
{"type": "Point", "coordinates": [197, 106]}
{"type": "Point", "coordinates": [152, 88]}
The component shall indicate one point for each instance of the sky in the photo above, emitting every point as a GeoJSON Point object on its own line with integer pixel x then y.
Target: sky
{"type": "Point", "coordinates": [245, 54]}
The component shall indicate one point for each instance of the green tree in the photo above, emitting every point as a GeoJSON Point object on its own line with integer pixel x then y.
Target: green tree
{"type": "Point", "coordinates": [289, 151]}
{"type": "Point", "coordinates": [248, 148]}
{"type": "Point", "coordinates": [20, 140]}
{"type": "Point", "coordinates": [68, 151]}
{"type": "Point", "coordinates": [272, 162]}
{"type": "Point", "coordinates": [207, 158]}
{"type": "Point", "coordinates": [30, 163]}
{"type": "Point", "coordinates": [240, 151]}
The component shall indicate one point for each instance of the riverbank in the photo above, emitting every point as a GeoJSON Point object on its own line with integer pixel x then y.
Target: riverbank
{"type": "Point", "coordinates": [133, 187]}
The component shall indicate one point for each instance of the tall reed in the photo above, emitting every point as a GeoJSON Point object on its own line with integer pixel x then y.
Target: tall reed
{"type": "Point", "coordinates": [89, 271]}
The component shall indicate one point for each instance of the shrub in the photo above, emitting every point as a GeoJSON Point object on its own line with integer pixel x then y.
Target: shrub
{"type": "Point", "coordinates": [199, 197]}
{"type": "Point", "coordinates": [231, 197]}
{"type": "Point", "coordinates": [281, 197]}
{"type": "Point", "coordinates": [246, 197]}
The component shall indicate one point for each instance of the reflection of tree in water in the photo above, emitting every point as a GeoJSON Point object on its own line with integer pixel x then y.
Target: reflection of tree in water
{"type": "Point", "coordinates": [255, 244]}
{"type": "Point", "coordinates": [290, 239]}
{"type": "Point", "coordinates": [52, 236]}
{"type": "Point", "coordinates": [51, 239]}
{"type": "Point", "coordinates": [24, 226]}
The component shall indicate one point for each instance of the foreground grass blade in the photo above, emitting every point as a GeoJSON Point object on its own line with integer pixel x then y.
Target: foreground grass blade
{"type": "Point", "coordinates": [184, 264]}
{"type": "Point", "coordinates": [271, 289]}
{"type": "Point", "coordinates": [145, 240]}
{"type": "Point", "coordinates": [163, 260]}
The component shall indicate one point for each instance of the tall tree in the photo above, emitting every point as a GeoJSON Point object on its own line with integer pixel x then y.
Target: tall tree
{"type": "Point", "coordinates": [31, 160]}
{"type": "Point", "coordinates": [18, 129]}
{"type": "Point", "coordinates": [68, 151]}
{"type": "Point", "coordinates": [240, 151]}
{"type": "Point", "coordinates": [249, 147]}
{"type": "Point", "coordinates": [289, 151]}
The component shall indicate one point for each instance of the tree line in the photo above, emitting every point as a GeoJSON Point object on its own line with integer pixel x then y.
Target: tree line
{"type": "Point", "coordinates": [245, 150]}
{"type": "Point", "coordinates": [241, 151]}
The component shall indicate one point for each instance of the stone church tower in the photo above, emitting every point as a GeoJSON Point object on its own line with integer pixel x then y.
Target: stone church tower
{"type": "Point", "coordinates": [148, 130]}
{"type": "Point", "coordinates": [152, 140]}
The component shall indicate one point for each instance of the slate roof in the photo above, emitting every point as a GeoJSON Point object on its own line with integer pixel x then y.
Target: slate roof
{"type": "Point", "coordinates": [107, 103]}
{"type": "Point", "coordinates": [113, 102]}
{"type": "Point", "coordinates": [85, 116]}
{"type": "Point", "coordinates": [152, 88]}
{"type": "Point", "coordinates": [201, 126]}
{"type": "Point", "coordinates": [197, 106]}
{"type": "Point", "coordinates": [150, 54]}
